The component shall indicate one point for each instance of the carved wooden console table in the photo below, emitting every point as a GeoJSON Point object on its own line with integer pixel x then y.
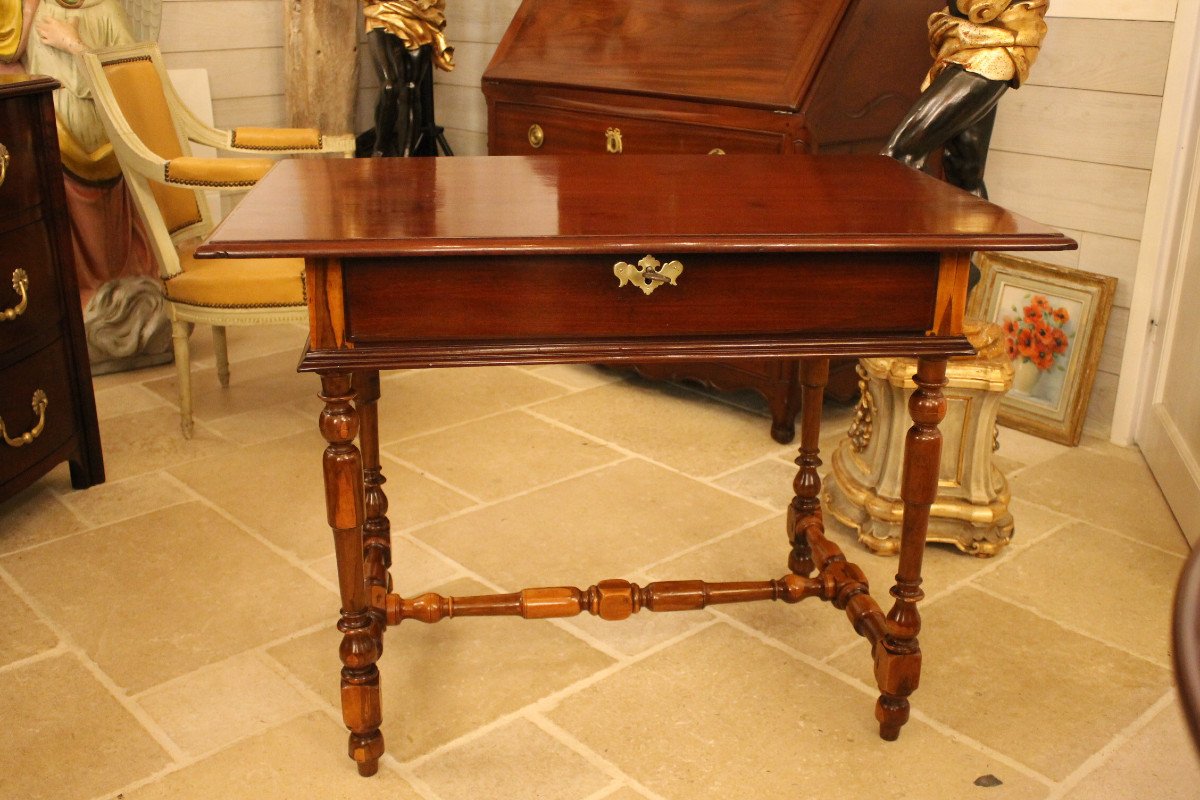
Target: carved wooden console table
{"type": "Point", "coordinates": [512, 260]}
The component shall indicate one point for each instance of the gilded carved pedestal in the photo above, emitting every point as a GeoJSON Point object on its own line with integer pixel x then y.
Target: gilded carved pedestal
{"type": "Point", "coordinates": [971, 509]}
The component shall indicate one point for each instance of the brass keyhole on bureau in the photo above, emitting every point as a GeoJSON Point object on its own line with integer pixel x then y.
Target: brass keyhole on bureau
{"type": "Point", "coordinates": [648, 274]}
{"type": "Point", "coordinates": [537, 137]}
{"type": "Point", "coordinates": [612, 141]}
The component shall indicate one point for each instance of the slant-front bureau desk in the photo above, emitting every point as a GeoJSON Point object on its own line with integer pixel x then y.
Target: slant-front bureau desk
{"type": "Point", "coordinates": [513, 260]}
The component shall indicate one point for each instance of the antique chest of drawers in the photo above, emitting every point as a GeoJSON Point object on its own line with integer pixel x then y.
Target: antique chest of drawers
{"type": "Point", "coordinates": [47, 409]}
{"type": "Point", "coordinates": [709, 76]}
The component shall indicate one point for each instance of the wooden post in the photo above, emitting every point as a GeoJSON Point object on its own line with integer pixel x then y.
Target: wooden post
{"type": "Point", "coordinates": [320, 50]}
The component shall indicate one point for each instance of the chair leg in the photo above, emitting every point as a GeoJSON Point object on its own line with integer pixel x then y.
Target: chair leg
{"type": "Point", "coordinates": [221, 349]}
{"type": "Point", "coordinates": [183, 374]}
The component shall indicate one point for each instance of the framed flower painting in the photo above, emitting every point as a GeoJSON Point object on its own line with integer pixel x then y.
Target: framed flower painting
{"type": "Point", "coordinates": [1054, 320]}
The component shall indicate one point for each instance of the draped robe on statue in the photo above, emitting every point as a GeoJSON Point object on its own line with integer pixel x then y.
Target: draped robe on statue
{"type": "Point", "coordinates": [108, 238]}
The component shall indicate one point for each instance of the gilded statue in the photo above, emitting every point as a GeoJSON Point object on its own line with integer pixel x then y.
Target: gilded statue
{"type": "Point", "coordinates": [981, 48]}
{"type": "Point", "coordinates": [407, 39]}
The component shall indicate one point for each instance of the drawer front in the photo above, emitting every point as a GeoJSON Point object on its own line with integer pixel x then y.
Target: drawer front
{"type": "Point", "coordinates": [551, 298]}
{"type": "Point", "coordinates": [19, 188]}
{"type": "Point", "coordinates": [524, 130]}
{"type": "Point", "coordinates": [29, 291]}
{"type": "Point", "coordinates": [45, 372]}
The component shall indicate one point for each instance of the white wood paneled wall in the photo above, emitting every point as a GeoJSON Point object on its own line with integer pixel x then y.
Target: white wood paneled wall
{"type": "Point", "coordinates": [1074, 149]}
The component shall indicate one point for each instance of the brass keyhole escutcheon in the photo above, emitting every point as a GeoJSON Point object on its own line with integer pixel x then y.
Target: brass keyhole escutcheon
{"type": "Point", "coordinates": [537, 137]}
{"type": "Point", "coordinates": [648, 274]}
{"type": "Point", "coordinates": [4, 159]}
{"type": "Point", "coordinates": [612, 141]}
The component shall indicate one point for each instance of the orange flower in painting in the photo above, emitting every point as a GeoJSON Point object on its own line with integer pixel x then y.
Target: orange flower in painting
{"type": "Point", "coordinates": [1034, 332]}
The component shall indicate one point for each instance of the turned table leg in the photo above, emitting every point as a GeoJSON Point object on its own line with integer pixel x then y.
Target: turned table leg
{"type": "Point", "coordinates": [806, 505]}
{"type": "Point", "coordinates": [898, 655]}
{"type": "Point", "coordinates": [377, 536]}
{"type": "Point", "coordinates": [344, 503]}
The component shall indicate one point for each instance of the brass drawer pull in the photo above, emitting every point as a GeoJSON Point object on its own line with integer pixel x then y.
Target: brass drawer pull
{"type": "Point", "coordinates": [537, 136]}
{"type": "Point", "coordinates": [649, 274]}
{"type": "Point", "coordinates": [612, 141]}
{"type": "Point", "coordinates": [20, 284]}
{"type": "Point", "coordinates": [39, 408]}
{"type": "Point", "coordinates": [4, 159]}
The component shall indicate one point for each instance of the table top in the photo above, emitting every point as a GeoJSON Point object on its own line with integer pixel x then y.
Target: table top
{"type": "Point", "coordinates": [510, 205]}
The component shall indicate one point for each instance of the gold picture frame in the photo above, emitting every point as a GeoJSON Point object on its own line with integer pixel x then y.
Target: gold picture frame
{"type": "Point", "coordinates": [1054, 319]}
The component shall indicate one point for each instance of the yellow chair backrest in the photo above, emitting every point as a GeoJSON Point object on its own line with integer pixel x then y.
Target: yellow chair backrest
{"type": "Point", "coordinates": [138, 90]}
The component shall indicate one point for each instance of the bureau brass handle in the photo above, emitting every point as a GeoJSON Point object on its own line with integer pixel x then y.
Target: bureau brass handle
{"type": "Point", "coordinates": [4, 159]}
{"type": "Point", "coordinates": [20, 284]}
{"type": "Point", "coordinates": [39, 408]}
{"type": "Point", "coordinates": [537, 136]}
{"type": "Point", "coordinates": [612, 141]}
{"type": "Point", "coordinates": [649, 274]}
{"type": "Point", "coordinates": [716, 151]}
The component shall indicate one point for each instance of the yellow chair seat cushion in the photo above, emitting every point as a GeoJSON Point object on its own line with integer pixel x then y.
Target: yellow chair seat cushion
{"type": "Point", "coordinates": [237, 282]}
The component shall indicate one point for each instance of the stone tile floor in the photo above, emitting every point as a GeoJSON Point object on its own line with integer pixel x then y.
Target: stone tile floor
{"type": "Point", "coordinates": [169, 634]}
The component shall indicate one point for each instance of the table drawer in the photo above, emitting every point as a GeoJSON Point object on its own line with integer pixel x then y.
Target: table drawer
{"type": "Point", "coordinates": [19, 186]}
{"type": "Point", "coordinates": [29, 287]}
{"type": "Point", "coordinates": [523, 130]}
{"type": "Point", "coordinates": [46, 372]}
{"type": "Point", "coordinates": [577, 297]}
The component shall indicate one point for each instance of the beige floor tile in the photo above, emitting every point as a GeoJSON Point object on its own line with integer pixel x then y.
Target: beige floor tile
{"type": "Point", "coordinates": [115, 500]}
{"type": "Point", "coordinates": [1097, 582]}
{"type": "Point", "coordinates": [265, 424]}
{"type": "Point", "coordinates": [1031, 521]}
{"type": "Point", "coordinates": [502, 455]}
{"type": "Point", "coordinates": [126, 399]}
{"type": "Point", "coordinates": [112, 380]}
{"type": "Point", "coordinates": [722, 715]}
{"type": "Point", "coordinates": [301, 760]}
{"type": "Point", "coordinates": [215, 706]}
{"type": "Point", "coordinates": [419, 401]}
{"type": "Point", "coordinates": [277, 489]}
{"type": "Point", "coordinates": [768, 481]}
{"type": "Point", "coordinates": [639, 633]}
{"type": "Point", "coordinates": [34, 516]}
{"type": "Point", "coordinates": [1023, 685]}
{"type": "Point", "coordinates": [157, 596]}
{"type": "Point", "coordinates": [606, 524]}
{"type": "Point", "coordinates": [812, 627]}
{"type": "Point", "coordinates": [144, 441]}
{"type": "Point", "coordinates": [267, 380]}
{"type": "Point", "coordinates": [65, 737]}
{"type": "Point", "coordinates": [518, 761]}
{"type": "Point", "coordinates": [683, 429]}
{"type": "Point", "coordinates": [444, 680]}
{"type": "Point", "coordinates": [576, 376]}
{"type": "Point", "coordinates": [625, 793]}
{"type": "Point", "coordinates": [414, 568]}
{"type": "Point", "coordinates": [1159, 762]}
{"type": "Point", "coordinates": [1115, 493]}
{"type": "Point", "coordinates": [21, 634]}
{"type": "Point", "coordinates": [1027, 449]}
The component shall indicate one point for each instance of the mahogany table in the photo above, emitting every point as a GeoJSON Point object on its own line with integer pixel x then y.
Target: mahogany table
{"type": "Point", "coordinates": [512, 260]}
